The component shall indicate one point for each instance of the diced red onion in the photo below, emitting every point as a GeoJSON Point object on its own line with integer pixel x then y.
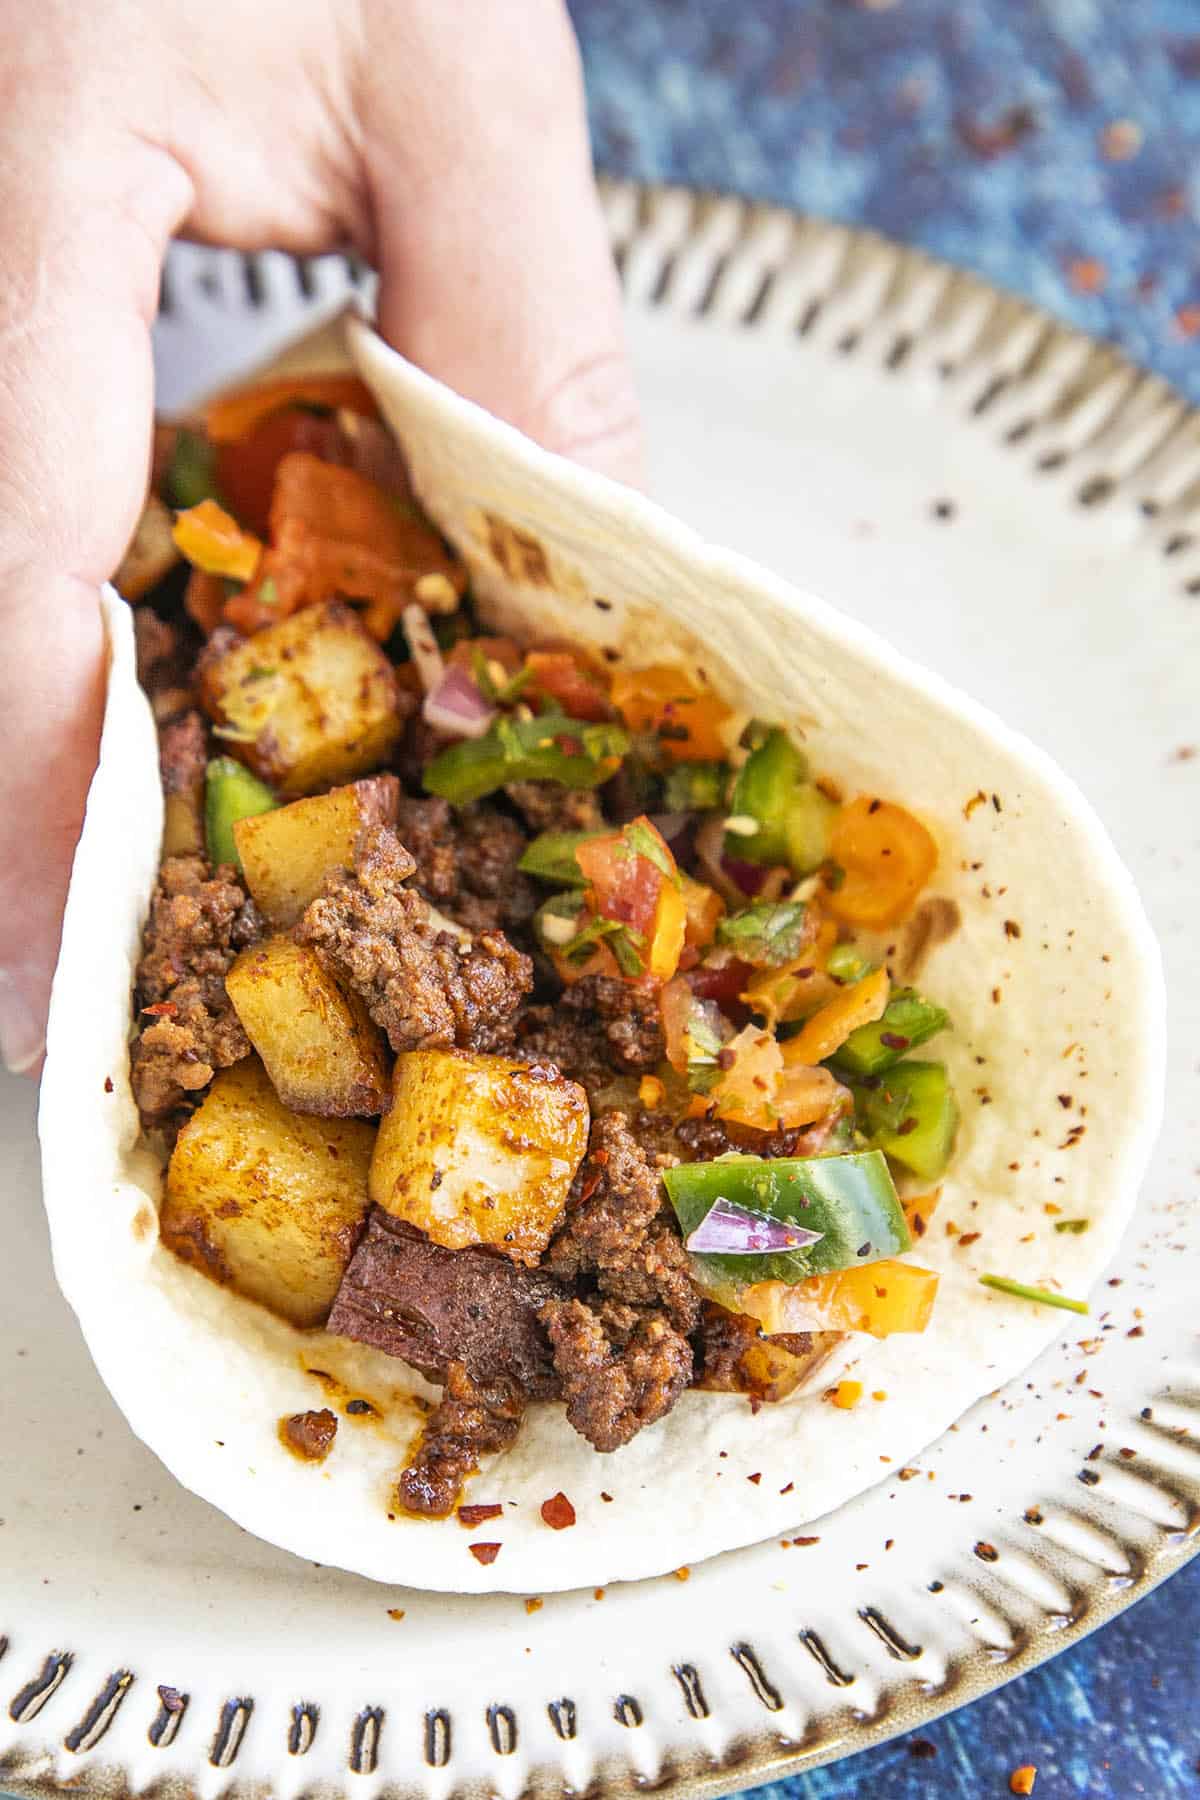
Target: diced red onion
{"type": "Point", "coordinates": [747, 876]}
{"type": "Point", "coordinates": [730, 1230]}
{"type": "Point", "coordinates": [710, 854]}
{"type": "Point", "coordinates": [673, 827]}
{"type": "Point", "coordinates": [422, 646]}
{"type": "Point", "coordinates": [456, 705]}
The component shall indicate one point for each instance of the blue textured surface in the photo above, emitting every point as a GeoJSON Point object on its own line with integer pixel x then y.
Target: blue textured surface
{"type": "Point", "coordinates": [1053, 146]}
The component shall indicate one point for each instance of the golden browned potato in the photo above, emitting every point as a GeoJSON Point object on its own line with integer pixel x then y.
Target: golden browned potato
{"type": "Point", "coordinates": [319, 1046]}
{"type": "Point", "coordinates": [479, 1149]}
{"type": "Point", "coordinates": [265, 1200]}
{"type": "Point", "coordinates": [287, 854]}
{"type": "Point", "coordinates": [150, 554]}
{"type": "Point", "coordinates": [306, 702]}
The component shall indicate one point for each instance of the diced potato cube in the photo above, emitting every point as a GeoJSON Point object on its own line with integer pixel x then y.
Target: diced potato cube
{"type": "Point", "coordinates": [287, 854]}
{"type": "Point", "coordinates": [264, 1200]}
{"type": "Point", "coordinates": [318, 1044]}
{"type": "Point", "coordinates": [150, 554]}
{"type": "Point", "coordinates": [479, 1149]}
{"type": "Point", "coordinates": [309, 701]}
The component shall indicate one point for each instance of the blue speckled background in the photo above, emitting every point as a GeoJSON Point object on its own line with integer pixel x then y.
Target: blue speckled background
{"type": "Point", "coordinates": [1053, 146]}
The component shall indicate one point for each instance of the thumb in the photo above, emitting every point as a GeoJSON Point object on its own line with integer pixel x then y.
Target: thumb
{"type": "Point", "coordinates": [78, 289]}
{"type": "Point", "coordinates": [495, 269]}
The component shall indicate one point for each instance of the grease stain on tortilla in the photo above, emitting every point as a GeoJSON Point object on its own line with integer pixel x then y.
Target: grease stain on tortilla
{"type": "Point", "coordinates": [144, 1223]}
{"type": "Point", "coordinates": [933, 923]}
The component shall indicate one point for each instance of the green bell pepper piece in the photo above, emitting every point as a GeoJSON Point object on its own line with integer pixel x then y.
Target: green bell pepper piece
{"type": "Point", "coordinates": [231, 793]}
{"type": "Point", "coordinates": [910, 1020]}
{"type": "Point", "coordinates": [911, 1115]}
{"type": "Point", "coordinates": [764, 790]}
{"type": "Point", "coordinates": [767, 934]}
{"type": "Point", "coordinates": [551, 856]}
{"type": "Point", "coordinates": [695, 787]}
{"type": "Point", "coordinates": [807, 828]}
{"type": "Point", "coordinates": [548, 748]}
{"type": "Point", "coordinates": [850, 1199]}
{"type": "Point", "coordinates": [846, 964]}
{"type": "Point", "coordinates": [190, 476]}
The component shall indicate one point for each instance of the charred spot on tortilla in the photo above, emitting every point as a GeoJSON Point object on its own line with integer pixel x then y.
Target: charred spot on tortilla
{"type": "Point", "coordinates": [517, 552]}
{"type": "Point", "coordinates": [144, 1223]}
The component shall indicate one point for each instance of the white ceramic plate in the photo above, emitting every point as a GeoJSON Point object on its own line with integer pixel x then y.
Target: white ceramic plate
{"type": "Point", "coordinates": [1018, 508]}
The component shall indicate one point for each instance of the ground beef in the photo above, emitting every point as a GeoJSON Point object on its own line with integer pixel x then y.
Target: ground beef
{"type": "Point", "coordinates": [549, 806]}
{"type": "Point", "coordinates": [575, 1043]}
{"type": "Point", "coordinates": [628, 1013]}
{"type": "Point", "coordinates": [703, 1140]}
{"type": "Point", "coordinates": [310, 1435]}
{"type": "Point", "coordinates": [432, 1307]}
{"type": "Point", "coordinates": [426, 988]}
{"type": "Point", "coordinates": [183, 753]}
{"type": "Point", "coordinates": [199, 920]}
{"type": "Point", "coordinates": [614, 1385]}
{"type": "Point", "coordinates": [472, 1419]}
{"type": "Point", "coordinates": [621, 1348]}
{"type": "Point", "coordinates": [467, 863]}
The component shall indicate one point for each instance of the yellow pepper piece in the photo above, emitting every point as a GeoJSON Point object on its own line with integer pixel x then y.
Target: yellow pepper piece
{"type": "Point", "coordinates": [216, 543]}
{"type": "Point", "coordinates": [885, 855]}
{"type": "Point", "coordinates": [829, 1028]}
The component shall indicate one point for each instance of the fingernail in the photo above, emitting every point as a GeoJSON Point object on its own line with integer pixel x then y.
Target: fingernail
{"type": "Point", "coordinates": [22, 1031]}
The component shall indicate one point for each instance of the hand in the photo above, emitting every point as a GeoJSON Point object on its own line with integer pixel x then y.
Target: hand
{"type": "Point", "coordinates": [443, 139]}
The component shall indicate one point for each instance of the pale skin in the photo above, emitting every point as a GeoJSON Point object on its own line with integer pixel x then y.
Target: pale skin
{"type": "Point", "coordinates": [444, 140]}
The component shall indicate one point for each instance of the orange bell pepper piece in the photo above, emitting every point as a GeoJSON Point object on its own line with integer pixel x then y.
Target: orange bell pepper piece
{"type": "Point", "coordinates": [829, 1028]}
{"type": "Point", "coordinates": [233, 416]}
{"type": "Point", "coordinates": [705, 910]}
{"type": "Point", "coordinates": [880, 1298]}
{"type": "Point", "coordinates": [886, 856]}
{"type": "Point", "coordinates": [639, 890]}
{"type": "Point", "coordinates": [214, 542]}
{"type": "Point", "coordinates": [686, 719]}
{"type": "Point", "coordinates": [805, 1095]}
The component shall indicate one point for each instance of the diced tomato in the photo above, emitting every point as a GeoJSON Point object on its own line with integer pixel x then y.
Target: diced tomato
{"type": "Point", "coordinates": [705, 910]}
{"type": "Point", "coordinates": [827, 1030]}
{"type": "Point", "coordinates": [687, 719]}
{"type": "Point", "coordinates": [213, 541]}
{"type": "Point", "coordinates": [885, 856]}
{"type": "Point", "coordinates": [245, 467]}
{"type": "Point", "coordinates": [577, 690]}
{"type": "Point", "coordinates": [639, 888]}
{"type": "Point", "coordinates": [235, 415]}
{"type": "Point", "coordinates": [499, 650]}
{"type": "Point", "coordinates": [204, 600]}
{"type": "Point", "coordinates": [720, 978]}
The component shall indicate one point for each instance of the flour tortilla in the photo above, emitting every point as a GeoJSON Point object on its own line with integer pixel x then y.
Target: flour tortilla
{"type": "Point", "coordinates": [1073, 1006]}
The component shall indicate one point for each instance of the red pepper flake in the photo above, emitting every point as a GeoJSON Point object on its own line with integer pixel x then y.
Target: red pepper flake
{"type": "Point", "coordinates": [803, 1542]}
{"type": "Point", "coordinates": [755, 1478]}
{"type": "Point", "coordinates": [683, 1573]}
{"type": "Point", "coordinates": [607, 1497]}
{"type": "Point", "coordinates": [163, 1009]}
{"type": "Point", "coordinates": [471, 1516]}
{"type": "Point", "coordinates": [968, 1237]}
{"type": "Point", "coordinates": [557, 1512]}
{"type": "Point", "coordinates": [597, 1593]}
{"type": "Point", "coordinates": [893, 1040]}
{"type": "Point", "coordinates": [108, 1084]}
{"type": "Point", "coordinates": [1135, 1332]}
{"type": "Point", "coordinates": [996, 996]}
{"type": "Point", "coordinates": [976, 800]}
{"type": "Point", "coordinates": [861, 1566]}
{"type": "Point", "coordinates": [1126, 1454]}
{"type": "Point", "coordinates": [1011, 928]}
{"type": "Point", "coordinates": [987, 1552]}
{"type": "Point", "coordinates": [533, 1605]}
{"type": "Point", "coordinates": [395, 1612]}
{"type": "Point", "coordinates": [908, 1473]}
{"type": "Point", "coordinates": [1021, 1780]}
{"type": "Point", "coordinates": [788, 1488]}
{"type": "Point", "coordinates": [1086, 274]}
{"type": "Point", "coordinates": [1034, 1516]}
{"type": "Point", "coordinates": [484, 1553]}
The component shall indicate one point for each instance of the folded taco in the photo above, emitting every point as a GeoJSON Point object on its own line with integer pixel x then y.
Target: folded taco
{"type": "Point", "coordinates": [617, 1057]}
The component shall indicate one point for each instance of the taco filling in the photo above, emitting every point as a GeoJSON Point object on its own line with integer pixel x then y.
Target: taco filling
{"type": "Point", "coordinates": [525, 1015]}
